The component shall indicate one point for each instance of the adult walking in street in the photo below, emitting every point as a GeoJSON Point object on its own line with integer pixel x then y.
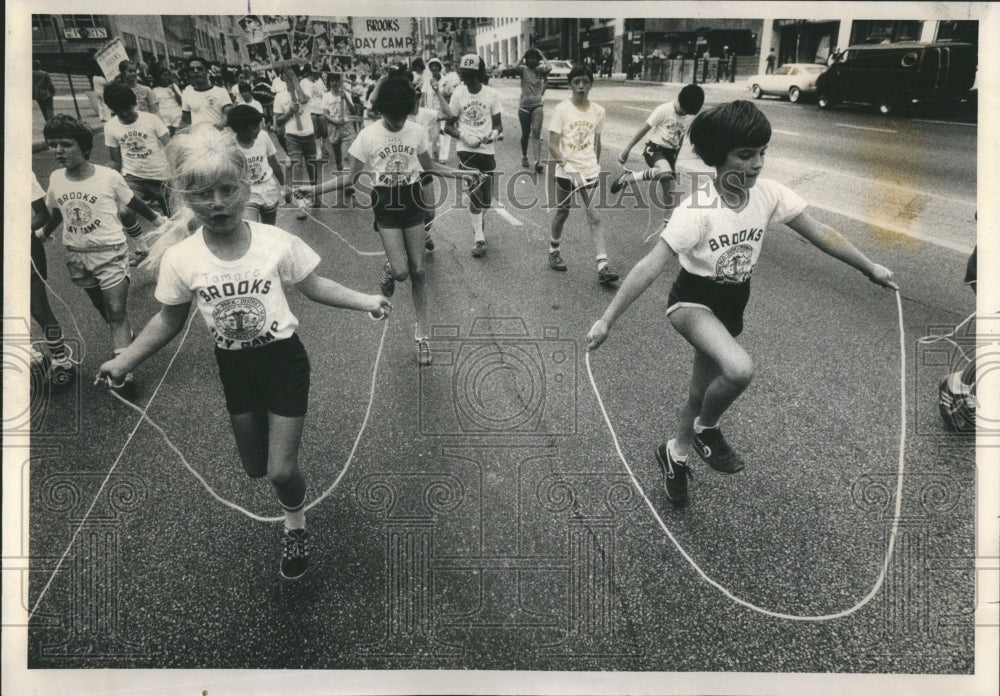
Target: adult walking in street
{"type": "Point", "coordinates": [42, 89]}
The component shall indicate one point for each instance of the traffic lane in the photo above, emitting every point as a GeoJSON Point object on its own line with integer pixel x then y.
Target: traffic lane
{"type": "Point", "coordinates": [345, 592]}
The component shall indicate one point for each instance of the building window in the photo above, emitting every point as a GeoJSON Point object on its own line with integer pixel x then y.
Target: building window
{"type": "Point", "coordinates": [959, 30]}
{"type": "Point", "coordinates": [885, 31]}
{"type": "Point", "coordinates": [43, 27]}
{"type": "Point", "coordinates": [130, 41]}
{"type": "Point", "coordinates": [83, 21]}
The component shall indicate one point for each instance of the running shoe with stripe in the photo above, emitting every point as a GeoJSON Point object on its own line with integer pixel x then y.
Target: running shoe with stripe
{"type": "Point", "coordinates": [713, 448]}
{"type": "Point", "coordinates": [424, 357]}
{"type": "Point", "coordinates": [675, 476]}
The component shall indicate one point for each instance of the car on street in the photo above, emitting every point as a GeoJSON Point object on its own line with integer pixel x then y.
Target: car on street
{"type": "Point", "coordinates": [791, 80]}
{"type": "Point", "coordinates": [559, 75]}
{"type": "Point", "coordinates": [904, 74]}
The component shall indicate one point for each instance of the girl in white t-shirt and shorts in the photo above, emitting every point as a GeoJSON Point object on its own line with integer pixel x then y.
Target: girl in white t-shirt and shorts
{"type": "Point", "coordinates": [264, 174]}
{"type": "Point", "coordinates": [235, 270]}
{"type": "Point", "coordinates": [717, 237]}
{"type": "Point", "coordinates": [395, 151]}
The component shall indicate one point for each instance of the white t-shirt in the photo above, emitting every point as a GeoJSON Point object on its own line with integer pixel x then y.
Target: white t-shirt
{"type": "Point", "coordinates": [315, 91]}
{"type": "Point", "coordinates": [260, 176]}
{"type": "Point", "coordinates": [425, 117]}
{"type": "Point", "coordinates": [243, 302]}
{"type": "Point", "coordinates": [334, 105]}
{"type": "Point", "coordinates": [667, 127]}
{"type": "Point", "coordinates": [391, 156]}
{"type": "Point", "coordinates": [577, 130]}
{"type": "Point", "coordinates": [205, 107]}
{"type": "Point", "coordinates": [718, 243]}
{"type": "Point", "coordinates": [253, 102]}
{"type": "Point", "coordinates": [142, 152]}
{"type": "Point", "coordinates": [475, 115]}
{"type": "Point", "coordinates": [89, 208]}
{"type": "Point", "coordinates": [282, 105]}
{"type": "Point", "coordinates": [170, 110]}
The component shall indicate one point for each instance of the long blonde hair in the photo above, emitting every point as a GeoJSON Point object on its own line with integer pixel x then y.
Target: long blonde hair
{"type": "Point", "coordinates": [199, 158]}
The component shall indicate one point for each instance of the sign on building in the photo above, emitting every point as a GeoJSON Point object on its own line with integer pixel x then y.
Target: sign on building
{"type": "Point", "coordinates": [383, 35]}
{"type": "Point", "coordinates": [109, 56]}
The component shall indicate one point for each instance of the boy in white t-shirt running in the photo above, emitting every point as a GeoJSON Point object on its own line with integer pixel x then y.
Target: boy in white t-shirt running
{"type": "Point", "coordinates": [264, 174]}
{"type": "Point", "coordinates": [575, 146]}
{"type": "Point", "coordinates": [717, 238]}
{"type": "Point", "coordinates": [85, 198]}
{"type": "Point", "coordinates": [667, 124]}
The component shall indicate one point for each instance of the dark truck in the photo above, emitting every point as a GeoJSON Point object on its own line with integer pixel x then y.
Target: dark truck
{"type": "Point", "coordinates": [893, 75]}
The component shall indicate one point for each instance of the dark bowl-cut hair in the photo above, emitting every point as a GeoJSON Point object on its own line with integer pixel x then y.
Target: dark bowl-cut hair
{"type": "Point", "coordinates": [117, 96]}
{"type": "Point", "coordinates": [691, 99]}
{"type": "Point", "coordinates": [396, 97]}
{"type": "Point", "coordinates": [65, 126]}
{"type": "Point", "coordinates": [242, 117]}
{"type": "Point", "coordinates": [720, 130]}
{"type": "Point", "coordinates": [580, 71]}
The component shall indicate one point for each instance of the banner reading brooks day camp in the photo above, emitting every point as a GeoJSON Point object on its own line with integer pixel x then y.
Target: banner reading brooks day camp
{"type": "Point", "coordinates": [382, 35]}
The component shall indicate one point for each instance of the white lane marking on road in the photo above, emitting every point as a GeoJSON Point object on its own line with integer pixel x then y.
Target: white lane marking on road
{"type": "Point", "coordinates": [867, 128]}
{"type": "Point", "coordinates": [634, 108]}
{"type": "Point", "coordinates": [881, 224]}
{"type": "Point", "coordinates": [784, 132]}
{"type": "Point", "coordinates": [944, 123]}
{"type": "Point", "coordinates": [507, 216]}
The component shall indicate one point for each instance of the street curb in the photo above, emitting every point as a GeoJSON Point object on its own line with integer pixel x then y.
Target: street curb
{"type": "Point", "coordinates": [42, 146]}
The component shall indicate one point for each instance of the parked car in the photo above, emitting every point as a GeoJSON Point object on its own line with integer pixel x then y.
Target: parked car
{"type": "Point", "coordinates": [792, 80]}
{"type": "Point", "coordinates": [892, 75]}
{"type": "Point", "coordinates": [509, 71]}
{"type": "Point", "coordinates": [559, 75]}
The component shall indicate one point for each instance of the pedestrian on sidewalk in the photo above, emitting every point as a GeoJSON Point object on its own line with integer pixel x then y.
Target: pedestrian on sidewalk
{"type": "Point", "coordinates": [769, 70]}
{"type": "Point", "coordinates": [128, 75]}
{"type": "Point", "coordinates": [718, 242]}
{"type": "Point", "coordinates": [575, 146]}
{"type": "Point", "coordinates": [263, 366]}
{"type": "Point", "coordinates": [42, 89]}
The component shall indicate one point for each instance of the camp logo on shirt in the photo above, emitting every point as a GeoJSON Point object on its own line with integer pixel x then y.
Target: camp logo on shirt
{"type": "Point", "coordinates": [474, 114]}
{"type": "Point", "coordinates": [735, 265]}
{"type": "Point", "coordinates": [580, 135]}
{"type": "Point", "coordinates": [78, 214]}
{"type": "Point", "coordinates": [134, 146]}
{"type": "Point", "coordinates": [239, 318]}
{"type": "Point", "coordinates": [255, 165]}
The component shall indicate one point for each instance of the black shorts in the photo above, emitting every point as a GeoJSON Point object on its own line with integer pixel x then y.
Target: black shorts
{"type": "Point", "coordinates": [476, 160]}
{"type": "Point", "coordinates": [38, 258]}
{"type": "Point", "coordinates": [653, 152]}
{"type": "Point", "coordinates": [398, 207]}
{"type": "Point", "coordinates": [274, 377]}
{"type": "Point", "coordinates": [565, 189]}
{"type": "Point", "coordinates": [726, 301]}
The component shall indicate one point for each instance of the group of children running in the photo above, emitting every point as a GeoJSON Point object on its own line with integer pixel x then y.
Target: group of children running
{"type": "Point", "coordinates": [224, 186]}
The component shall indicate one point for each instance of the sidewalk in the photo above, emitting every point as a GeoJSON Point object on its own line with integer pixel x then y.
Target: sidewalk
{"type": "Point", "coordinates": [63, 104]}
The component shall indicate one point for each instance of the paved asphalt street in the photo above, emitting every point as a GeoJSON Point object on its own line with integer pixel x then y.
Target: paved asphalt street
{"type": "Point", "coordinates": [486, 521]}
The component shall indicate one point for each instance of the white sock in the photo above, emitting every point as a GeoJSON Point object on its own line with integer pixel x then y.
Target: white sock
{"type": "Point", "coordinates": [477, 227]}
{"type": "Point", "coordinates": [602, 261]}
{"type": "Point", "coordinates": [295, 520]}
{"type": "Point", "coordinates": [698, 427]}
{"type": "Point", "coordinates": [674, 452]}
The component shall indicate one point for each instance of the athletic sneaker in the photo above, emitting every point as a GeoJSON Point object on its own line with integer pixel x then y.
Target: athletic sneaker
{"type": "Point", "coordinates": [387, 284]}
{"type": "Point", "coordinates": [619, 183]}
{"type": "Point", "coordinates": [294, 554]}
{"type": "Point", "coordinates": [556, 262]}
{"type": "Point", "coordinates": [479, 249]}
{"type": "Point", "coordinates": [428, 244]}
{"type": "Point", "coordinates": [524, 162]}
{"type": "Point", "coordinates": [716, 452]}
{"type": "Point", "coordinates": [424, 352]}
{"type": "Point", "coordinates": [605, 275]}
{"type": "Point", "coordinates": [137, 257]}
{"type": "Point", "coordinates": [539, 168]}
{"type": "Point", "coordinates": [675, 476]}
{"type": "Point", "coordinates": [62, 370]}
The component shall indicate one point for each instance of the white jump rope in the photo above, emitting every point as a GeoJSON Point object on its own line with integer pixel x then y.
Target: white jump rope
{"type": "Point", "coordinates": [704, 576]}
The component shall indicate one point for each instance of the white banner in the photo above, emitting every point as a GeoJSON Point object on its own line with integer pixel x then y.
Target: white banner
{"type": "Point", "coordinates": [109, 56]}
{"type": "Point", "coordinates": [383, 35]}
